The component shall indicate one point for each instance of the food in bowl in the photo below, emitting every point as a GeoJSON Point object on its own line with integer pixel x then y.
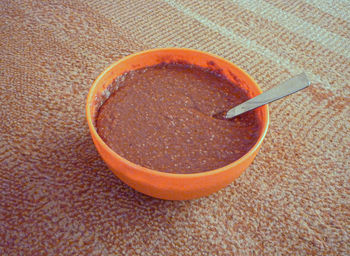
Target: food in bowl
{"type": "Point", "coordinates": [160, 184]}
{"type": "Point", "coordinates": [161, 117]}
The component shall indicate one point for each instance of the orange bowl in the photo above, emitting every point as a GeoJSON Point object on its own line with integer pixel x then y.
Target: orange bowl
{"type": "Point", "coordinates": [169, 185]}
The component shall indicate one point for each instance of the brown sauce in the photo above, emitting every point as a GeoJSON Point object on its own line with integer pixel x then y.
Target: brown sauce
{"type": "Point", "coordinates": [160, 117]}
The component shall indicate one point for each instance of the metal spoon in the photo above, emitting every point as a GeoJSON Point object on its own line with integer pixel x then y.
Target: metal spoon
{"type": "Point", "coordinates": [284, 89]}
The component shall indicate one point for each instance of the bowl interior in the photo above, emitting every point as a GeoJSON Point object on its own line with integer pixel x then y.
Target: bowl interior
{"type": "Point", "coordinates": [98, 92]}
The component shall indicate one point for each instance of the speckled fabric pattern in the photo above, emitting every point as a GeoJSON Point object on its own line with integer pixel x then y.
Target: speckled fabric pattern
{"type": "Point", "coordinates": [57, 197]}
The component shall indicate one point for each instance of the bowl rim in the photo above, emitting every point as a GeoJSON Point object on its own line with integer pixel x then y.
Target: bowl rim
{"type": "Point", "coordinates": [138, 167]}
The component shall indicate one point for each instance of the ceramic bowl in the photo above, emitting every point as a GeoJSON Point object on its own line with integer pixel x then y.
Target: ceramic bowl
{"type": "Point", "coordinates": [168, 185]}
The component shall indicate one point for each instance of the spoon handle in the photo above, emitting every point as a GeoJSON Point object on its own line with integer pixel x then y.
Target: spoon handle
{"type": "Point", "coordinates": [284, 89]}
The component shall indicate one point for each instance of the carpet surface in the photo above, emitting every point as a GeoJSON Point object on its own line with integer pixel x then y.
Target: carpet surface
{"type": "Point", "coordinates": [57, 197]}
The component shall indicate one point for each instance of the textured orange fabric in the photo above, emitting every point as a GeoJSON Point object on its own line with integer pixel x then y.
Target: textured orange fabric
{"type": "Point", "coordinates": [57, 197]}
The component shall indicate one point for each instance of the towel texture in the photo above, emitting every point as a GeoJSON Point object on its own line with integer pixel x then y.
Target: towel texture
{"type": "Point", "coordinates": [57, 197]}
